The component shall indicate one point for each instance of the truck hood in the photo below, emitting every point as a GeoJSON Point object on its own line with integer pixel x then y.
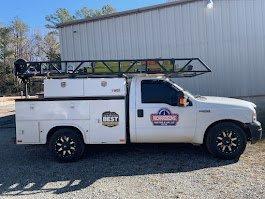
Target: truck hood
{"type": "Point", "coordinates": [229, 102]}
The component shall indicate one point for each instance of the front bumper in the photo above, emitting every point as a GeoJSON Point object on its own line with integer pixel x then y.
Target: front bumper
{"type": "Point", "coordinates": [255, 131]}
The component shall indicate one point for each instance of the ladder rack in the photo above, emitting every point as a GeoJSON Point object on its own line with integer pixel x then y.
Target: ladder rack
{"type": "Point", "coordinates": [184, 67]}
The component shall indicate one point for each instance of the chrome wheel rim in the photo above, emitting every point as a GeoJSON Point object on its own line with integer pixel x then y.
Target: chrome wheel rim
{"type": "Point", "coordinates": [227, 142]}
{"type": "Point", "coordinates": [65, 146]}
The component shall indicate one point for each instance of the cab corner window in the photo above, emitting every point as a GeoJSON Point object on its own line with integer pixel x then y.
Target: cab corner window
{"type": "Point", "coordinates": [159, 91]}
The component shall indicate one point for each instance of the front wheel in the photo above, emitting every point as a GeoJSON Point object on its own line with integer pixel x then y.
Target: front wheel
{"type": "Point", "coordinates": [67, 145]}
{"type": "Point", "coordinates": [226, 140]}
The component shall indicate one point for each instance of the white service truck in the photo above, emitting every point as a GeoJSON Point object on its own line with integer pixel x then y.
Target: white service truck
{"type": "Point", "coordinates": [141, 109]}
{"type": "Point", "coordinates": [148, 109]}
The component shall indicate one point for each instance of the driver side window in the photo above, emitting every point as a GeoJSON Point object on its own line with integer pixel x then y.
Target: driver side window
{"type": "Point", "coordinates": [159, 91]}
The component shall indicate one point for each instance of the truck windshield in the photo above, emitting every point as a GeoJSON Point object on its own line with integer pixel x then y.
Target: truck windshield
{"type": "Point", "coordinates": [186, 91]}
{"type": "Point", "coordinates": [178, 87]}
{"type": "Point", "coordinates": [175, 85]}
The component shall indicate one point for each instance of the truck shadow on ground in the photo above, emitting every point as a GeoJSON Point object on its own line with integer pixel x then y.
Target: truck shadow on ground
{"type": "Point", "coordinates": [28, 170]}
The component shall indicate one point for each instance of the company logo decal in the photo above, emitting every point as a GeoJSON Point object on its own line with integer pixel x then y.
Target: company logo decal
{"type": "Point", "coordinates": [110, 119]}
{"type": "Point", "coordinates": [164, 117]}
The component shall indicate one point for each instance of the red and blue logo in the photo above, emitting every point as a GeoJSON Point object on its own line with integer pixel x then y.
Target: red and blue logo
{"type": "Point", "coordinates": [164, 117]}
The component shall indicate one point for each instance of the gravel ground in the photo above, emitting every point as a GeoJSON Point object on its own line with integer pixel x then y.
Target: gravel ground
{"type": "Point", "coordinates": [7, 110]}
{"type": "Point", "coordinates": [135, 171]}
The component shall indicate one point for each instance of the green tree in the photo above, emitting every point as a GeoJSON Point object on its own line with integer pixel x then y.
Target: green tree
{"type": "Point", "coordinates": [51, 47]}
{"type": "Point", "coordinates": [20, 42]}
{"type": "Point", "coordinates": [35, 47]}
{"type": "Point", "coordinates": [62, 15]}
{"type": "Point", "coordinates": [84, 13]}
{"type": "Point", "coordinates": [15, 43]}
{"type": "Point", "coordinates": [5, 50]}
{"type": "Point", "coordinates": [107, 9]}
{"type": "Point", "coordinates": [8, 84]}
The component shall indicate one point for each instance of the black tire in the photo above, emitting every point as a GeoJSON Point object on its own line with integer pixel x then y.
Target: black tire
{"type": "Point", "coordinates": [226, 140]}
{"type": "Point", "coordinates": [67, 145]}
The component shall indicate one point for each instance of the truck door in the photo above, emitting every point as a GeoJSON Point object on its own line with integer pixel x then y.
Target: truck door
{"type": "Point", "coordinates": [158, 117]}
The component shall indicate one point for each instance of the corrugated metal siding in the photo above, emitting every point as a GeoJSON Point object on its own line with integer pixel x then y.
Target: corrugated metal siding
{"type": "Point", "coordinates": [230, 38]}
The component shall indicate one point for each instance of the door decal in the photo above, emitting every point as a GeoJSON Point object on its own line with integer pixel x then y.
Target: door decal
{"type": "Point", "coordinates": [110, 119]}
{"type": "Point", "coordinates": [164, 117]}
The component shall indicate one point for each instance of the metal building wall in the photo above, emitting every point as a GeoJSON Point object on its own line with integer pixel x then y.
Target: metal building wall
{"type": "Point", "coordinates": [230, 38]}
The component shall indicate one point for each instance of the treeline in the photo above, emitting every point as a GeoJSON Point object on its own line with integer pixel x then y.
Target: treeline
{"type": "Point", "coordinates": [18, 41]}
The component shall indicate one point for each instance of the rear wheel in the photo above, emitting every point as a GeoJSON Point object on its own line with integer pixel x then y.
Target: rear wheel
{"type": "Point", "coordinates": [67, 145]}
{"type": "Point", "coordinates": [226, 140]}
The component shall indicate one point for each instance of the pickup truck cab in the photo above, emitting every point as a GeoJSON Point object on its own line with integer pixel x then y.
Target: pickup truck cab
{"type": "Point", "coordinates": [143, 109]}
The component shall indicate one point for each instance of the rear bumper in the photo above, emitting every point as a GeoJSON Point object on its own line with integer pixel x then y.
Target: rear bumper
{"type": "Point", "coordinates": [255, 131]}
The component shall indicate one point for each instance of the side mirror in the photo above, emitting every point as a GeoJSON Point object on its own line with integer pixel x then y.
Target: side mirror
{"type": "Point", "coordinates": [179, 99]}
{"type": "Point", "coordinates": [183, 102]}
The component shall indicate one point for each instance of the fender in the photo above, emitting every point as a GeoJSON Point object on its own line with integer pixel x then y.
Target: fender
{"type": "Point", "coordinates": [47, 130]}
{"type": "Point", "coordinates": [207, 119]}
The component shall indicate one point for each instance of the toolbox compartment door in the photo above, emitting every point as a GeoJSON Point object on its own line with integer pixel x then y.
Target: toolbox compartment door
{"type": "Point", "coordinates": [107, 124]}
{"type": "Point", "coordinates": [27, 132]}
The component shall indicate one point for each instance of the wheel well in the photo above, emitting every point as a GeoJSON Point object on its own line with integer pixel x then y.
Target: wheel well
{"type": "Point", "coordinates": [238, 123]}
{"type": "Point", "coordinates": [56, 128]}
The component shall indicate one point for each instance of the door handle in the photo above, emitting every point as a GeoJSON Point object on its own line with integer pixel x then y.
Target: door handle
{"type": "Point", "coordinates": [140, 113]}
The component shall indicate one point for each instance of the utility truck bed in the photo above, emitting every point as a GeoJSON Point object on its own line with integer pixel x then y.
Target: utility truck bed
{"type": "Point", "coordinates": [101, 120]}
{"type": "Point", "coordinates": [95, 106]}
